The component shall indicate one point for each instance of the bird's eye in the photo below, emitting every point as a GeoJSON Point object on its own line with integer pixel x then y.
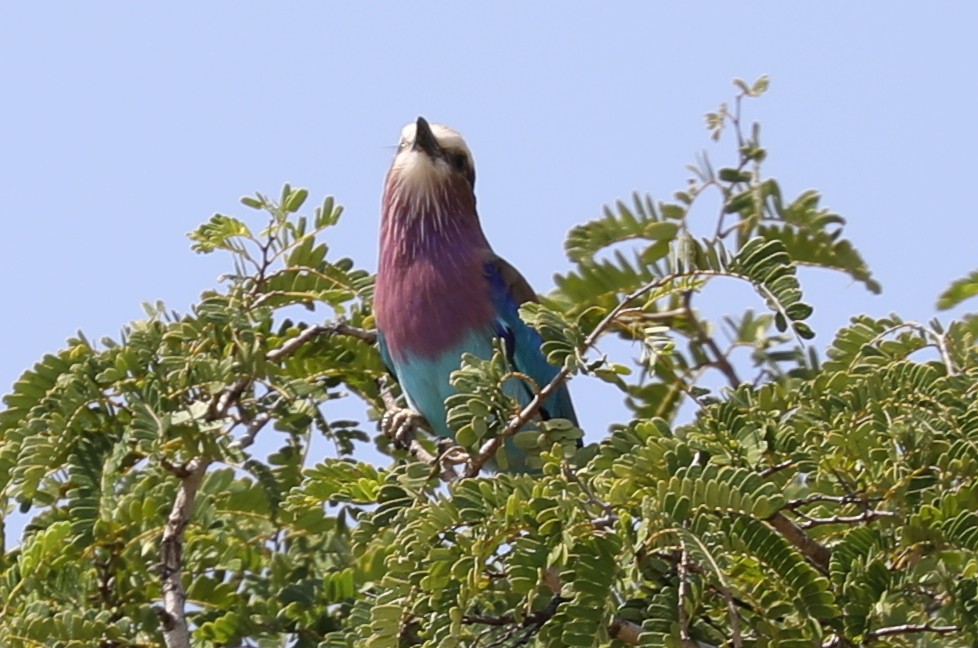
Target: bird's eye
{"type": "Point", "coordinates": [459, 161]}
{"type": "Point", "coordinates": [401, 145]}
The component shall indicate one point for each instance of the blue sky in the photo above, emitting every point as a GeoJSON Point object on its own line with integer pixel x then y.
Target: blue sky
{"type": "Point", "coordinates": [125, 125]}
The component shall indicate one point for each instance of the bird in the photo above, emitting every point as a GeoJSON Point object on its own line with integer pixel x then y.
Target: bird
{"type": "Point", "coordinates": [441, 291]}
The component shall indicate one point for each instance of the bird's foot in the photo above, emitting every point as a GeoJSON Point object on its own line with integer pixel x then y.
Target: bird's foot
{"type": "Point", "coordinates": [399, 426]}
{"type": "Point", "coordinates": [452, 454]}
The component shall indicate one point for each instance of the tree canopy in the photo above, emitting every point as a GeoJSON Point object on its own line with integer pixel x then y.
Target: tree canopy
{"type": "Point", "coordinates": [815, 499]}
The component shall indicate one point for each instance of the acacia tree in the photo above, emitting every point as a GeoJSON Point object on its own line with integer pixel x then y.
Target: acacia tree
{"type": "Point", "coordinates": [807, 502]}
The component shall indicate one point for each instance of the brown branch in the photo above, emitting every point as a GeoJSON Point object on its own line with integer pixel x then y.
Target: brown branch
{"type": "Point", "coordinates": [173, 612]}
{"type": "Point", "coordinates": [718, 585]}
{"type": "Point", "coordinates": [219, 406]}
{"type": "Point", "coordinates": [254, 427]}
{"type": "Point", "coordinates": [817, 553]}
{"type": "Point", "coordinates": [535, 619]}
{"type": "Point", "coordinates": [776, 468]}
{"type": "Point", "coordinates": [180, 470]}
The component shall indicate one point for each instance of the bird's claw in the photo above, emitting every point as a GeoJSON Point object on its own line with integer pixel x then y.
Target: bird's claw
{"type": "Point", "coordinates": [452, 454]}
{"type": "Point", "coordinates": [399, 426]}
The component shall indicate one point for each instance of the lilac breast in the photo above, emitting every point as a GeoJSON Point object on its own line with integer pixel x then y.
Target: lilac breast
{"type": "Point", "coordinates": [425, 310]}
{"type": "Point", "coordinates": [431, 287]}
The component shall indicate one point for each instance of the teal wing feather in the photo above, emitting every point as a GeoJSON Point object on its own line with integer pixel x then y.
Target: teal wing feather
{"type": "Point", "coordinates": [523, 342]}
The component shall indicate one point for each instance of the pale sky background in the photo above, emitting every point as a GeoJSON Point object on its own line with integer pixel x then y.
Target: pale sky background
{"type": "Point", "coordinates": [125, 125]}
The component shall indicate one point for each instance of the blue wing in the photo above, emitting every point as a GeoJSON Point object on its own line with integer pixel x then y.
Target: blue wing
{"type": "Point", "coordinates": [509, 290]}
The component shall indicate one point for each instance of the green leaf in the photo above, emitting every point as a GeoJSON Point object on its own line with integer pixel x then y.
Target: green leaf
{"type": "Point", "coordinates": [219, 234]}
{"type": "Point", "coordinates": [641, 221]}
{"type": "Point", "coordinates": [295, 200]}
{"type": "Point", "coordinates": [959, 291]}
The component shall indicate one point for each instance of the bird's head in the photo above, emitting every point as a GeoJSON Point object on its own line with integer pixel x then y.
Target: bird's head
{"type": "Point", "coordinates": [432, 176]}
{"type": "Point", "coordinates": [429, 153]}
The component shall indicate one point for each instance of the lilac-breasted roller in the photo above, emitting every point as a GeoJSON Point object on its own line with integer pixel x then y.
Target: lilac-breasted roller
{"type": "Point", "coordinates": [441, 290]}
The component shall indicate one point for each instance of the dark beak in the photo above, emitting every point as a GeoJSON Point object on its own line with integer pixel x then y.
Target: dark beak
{"type": "Point", "coordinates": [424, 139]}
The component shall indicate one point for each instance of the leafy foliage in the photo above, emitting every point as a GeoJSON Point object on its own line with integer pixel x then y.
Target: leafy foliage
{"type": "Point", "coordinates": [820, 502]}
{"type": "Point", "coordinates": [959, 291]}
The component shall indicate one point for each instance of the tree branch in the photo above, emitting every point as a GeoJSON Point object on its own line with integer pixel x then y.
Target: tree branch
{"type": "Point", "coordinates": [818, 498]}
{"type": "Point", "coordinates": [910, 628]}
{"type": "Point", "coordinates": [625, 631]}
{"type": "Point", "coordinates": [816, 552]}
{"type": "Point", "coordinates": [338, 328]}
{"type": "Point", "coordinates": [173, 612]}
{"type": "Point", "coordinates": [682, 572]}
{"type": "Point", "coordinates": [776, 468]}
{"type": "Point", "coordinates": [866, 516]}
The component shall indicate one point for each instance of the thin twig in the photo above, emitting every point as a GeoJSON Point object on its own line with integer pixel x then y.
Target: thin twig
{"type": "Point", "coordinates": [619, 628]}
{"type": "Point", "coordinates": [940, 342]}
{"type": "Point", "coordinates": [770, 470]}
{"type": "Point", "coordinates": [721, 587]}
{"type": "Point", "coordinates": [338, 328]}
{"type": "Point", "coordinates": [683, 573]}
{"type": "Point", "coordinates": [818, 499]}
{"type": "Point", "coordinates": [911, 628]}
{"type": "Point", "coordinates": [866, 516]}
{"type": "Point", "coordinates": [702, 336]}
{"type": "Point", "coordinates": [608, 517]}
